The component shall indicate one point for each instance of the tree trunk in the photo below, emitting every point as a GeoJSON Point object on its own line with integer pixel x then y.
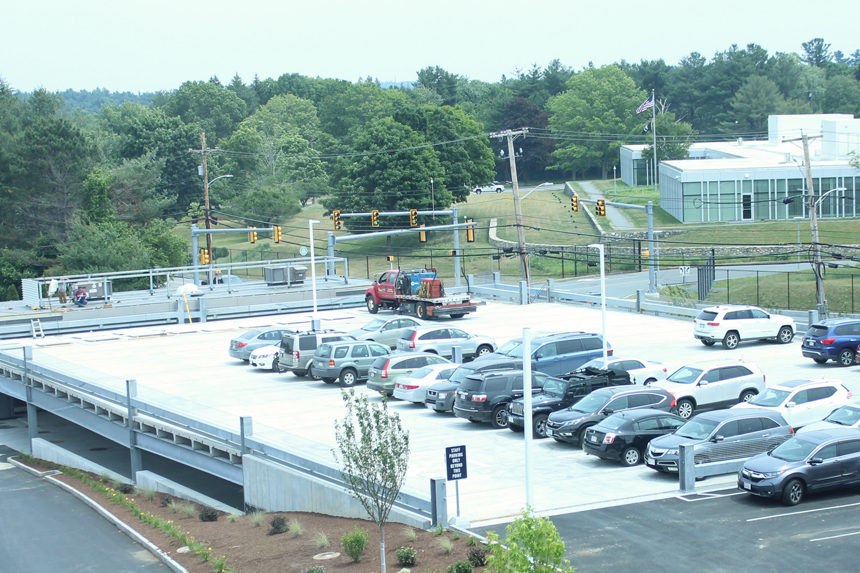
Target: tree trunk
{"type": "Point", "coordinates": [382, 547]}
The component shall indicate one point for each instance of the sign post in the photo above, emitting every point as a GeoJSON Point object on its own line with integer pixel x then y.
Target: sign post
{"type": "Point", "coordinates": [684, 270]}
{"type": "Point", "coordinates": [455, 461]}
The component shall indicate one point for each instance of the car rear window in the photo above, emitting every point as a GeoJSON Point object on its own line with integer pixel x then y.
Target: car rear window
{"type": "Point", "coordinates": [250, 334]}
{"type": "Point", "coordinates": [287, 344]}
{"type": "Point", "coordinates": [324, 351]}
{"type": "Point", "coordinates": [591, 343]}
{"type": "Point", "coordinates": [470, 383]}
{"type": "Point", "coordinates": [408, 334]}
{"type": "Point", "coordinates": [816, 330]}
{"type": "Point", "coordinates": [379, 362]}
{"type": "Point", "coordinates": [707, 315]}
{"type": "Point", "coordinates": [307, 342]}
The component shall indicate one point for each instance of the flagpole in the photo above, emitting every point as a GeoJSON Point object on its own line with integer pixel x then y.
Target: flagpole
{"type": "Point", "coordinates": [654, 133]}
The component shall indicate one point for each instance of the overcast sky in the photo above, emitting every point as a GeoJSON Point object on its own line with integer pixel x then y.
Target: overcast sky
{"type": "Point", "coordinates": [155, 45]}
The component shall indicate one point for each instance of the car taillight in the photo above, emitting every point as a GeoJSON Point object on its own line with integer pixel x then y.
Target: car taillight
{"type": "Point", "coordinates": [828, 340]}
{"type": "Point", "coordinates": [713, 324]}
{"type": "Point", "coordinates": [674, 402]}
{"type": "Point", "coordinates": [385, 369]}
{"type": "Point", "coordinates": [295, 354]}
{"type": "Point", "coordinates": [790, 430]}
{"type": "Point", "coordinates": [408, 386]}
{"type": "Point", "coordinates": [242, 345]}
{"type": "Point", "coordinates": [331, 362]}
{"type": "Point", "coordinates": [609, 438]}
{"type": "Point", "coordinates": [412, 340]}
{"type": "Point", "coordinates": [479, 397]}
{"type": "Point", "coordinates": [609, 352]}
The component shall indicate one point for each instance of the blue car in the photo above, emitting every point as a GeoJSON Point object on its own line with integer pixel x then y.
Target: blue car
{"type": "Point", "coordinates": [835, 339]}
{"type": "Point", "coordinates": [809, 462]}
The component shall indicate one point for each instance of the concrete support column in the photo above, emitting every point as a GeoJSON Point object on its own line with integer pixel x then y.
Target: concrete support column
{"type": "Point", "coordinates": [246, 430]}
{"type": "Point", "coordinates": [134, 452]}
{"type": "Point", "coordinates": [439, 501]}
{"type": "Point", "coordinates": [457, 354]}
{"type": "Point", "coordinates": [550, 284]}
{"type": "Point", "coordinates": [32, 412]}
{"type": "Point", "coordinates": [5, 407]}
{"type": "Point", "coordinates": [686, 469]}
{"type": "Point", "coordinates": [524, 292]}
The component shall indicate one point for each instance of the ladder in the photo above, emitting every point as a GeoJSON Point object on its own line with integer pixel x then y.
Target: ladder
{"type": "Point", "coordinates": [36, 328]}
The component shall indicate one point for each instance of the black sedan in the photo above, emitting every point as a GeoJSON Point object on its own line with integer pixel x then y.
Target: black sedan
{"type": "Point", "coordinates": [624, 436]}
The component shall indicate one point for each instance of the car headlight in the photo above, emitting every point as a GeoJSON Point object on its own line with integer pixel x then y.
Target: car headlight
{"type": "Point", "coordinates": [441, 395]}
{"type": "Point", "coordinates": [765, 475]}
{"type": "Point", "coordinates": [672, 452]}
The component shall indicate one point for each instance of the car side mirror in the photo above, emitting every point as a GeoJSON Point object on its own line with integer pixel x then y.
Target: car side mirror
{"type": "Point", "coordinates": [703, 382]}
{"type": "Point", "coordinates": [717, 438]}
{"type": "Point", "coordinates": [608, 411]}
{"type": "Point", "coordinates": [815, 461]}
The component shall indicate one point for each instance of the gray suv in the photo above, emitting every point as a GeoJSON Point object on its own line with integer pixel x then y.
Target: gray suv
{"type": "Point", "coordinates": [348, 360]}
{"type": "Point", "coordinates": [556, 354]}
{"type": "Point", "coordinates": [297, 349]}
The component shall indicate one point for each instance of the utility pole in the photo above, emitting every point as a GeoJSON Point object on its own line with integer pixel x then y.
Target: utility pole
{"type": "Point", "coordinates": [821, 301]}
{"type": "Point", "coordinates": [203, 151]}
{"type": "Point", "coordinates": [518, 213]}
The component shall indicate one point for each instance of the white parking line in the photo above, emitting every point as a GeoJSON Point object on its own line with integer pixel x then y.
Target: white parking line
{"type": "Point", "coordinates": [705, 496]}
{"type": "Point", "coordinates": [836, 536]}
{"type": "Point", "coordinates": [802, 512]}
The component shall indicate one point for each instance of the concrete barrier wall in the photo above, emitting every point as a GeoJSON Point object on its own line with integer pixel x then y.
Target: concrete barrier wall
{"type": "Point", "coordinates": [149, 480]}
{"type": "Point", "coordinates": [272, 487]}
{"type": "Point", "coordinates": [45, 450]}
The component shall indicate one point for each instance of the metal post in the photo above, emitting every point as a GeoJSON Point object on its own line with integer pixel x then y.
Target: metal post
{"type": "Point", "coordinates": [195, 254]}
{"type": "Point", "coordinates": [134, 452]}
{"type": "Point", "coordinates": [599, 247]}
{"type": "Point", "coordinates": [330, 253]}
{"type": "Point", "coordinates": [246, 429]}
{"type": "Point", "coordinates": [652, 279]}
{"type": "Point", "coordinates": [439, 501]}
{"type": "Point", "coordinates": [527, 413]}
{"type": "Point", "coordinates": [32, 412]}
{"type": "Point", "coordinates": [313, 266]}
{"type": "Point", "coordinates": [456, 247]}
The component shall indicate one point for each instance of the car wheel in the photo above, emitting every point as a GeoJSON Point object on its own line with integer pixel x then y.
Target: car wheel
{"type": "Point", "coordinates": [685, 409]}
{"type": "Point", "coordinates": [748, 395]}
{"type": "Point", "coordinates": [846, 357]}
{"type": "Point", "coordinates": [630, 456]}
{"type": "Point", "coordinates": [329, 380]}
{"type": "Point", "coordinates": [300, 372]}
{"type": "Point", "coordinates": [793, 492]}
{"type": "Point", "coordinates": [785, 335]}
{"type": "Point", "coordinates": [514, 427]}
{"type": "Point", "coordinates": [421, 310]}
{"type": "Point", "coordinates": [820, 360]}
{"type": "Point", "coordinates": [582, 435]}
{"type": "Point", "coordinates": [731, 340]}
{"type": "Point", "coordinates": [499, 418]}
{"type": "Point", "coordinates": [275, 364]}
{"type": "Point", "coordinates": [539, 425]}
{"type": "Point", "coordinates": [649, 381]}
{"type": "Point", "coordinates": [483, 349]}
{"type": "Point", "coordinates": [312, 374]}
{"type": "Point", "coordinates": [458, 315]}
{"type": "Point", "coordinates": [372, 307]}
{"type": "Point", "coordinates": [708, 341]}
{"type": "Point", "coordinates": [348, 377]}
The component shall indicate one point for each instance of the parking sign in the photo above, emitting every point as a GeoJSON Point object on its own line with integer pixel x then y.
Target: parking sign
{"type": "Point", "coordinates": [455, 460]}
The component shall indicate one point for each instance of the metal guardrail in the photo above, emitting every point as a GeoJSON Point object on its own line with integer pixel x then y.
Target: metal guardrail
{"type": "Point", "coordinates": [166, 426]}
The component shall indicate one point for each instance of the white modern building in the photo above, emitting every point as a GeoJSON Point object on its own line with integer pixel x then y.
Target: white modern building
{"type": "Point", "coordinates": [749, 180]}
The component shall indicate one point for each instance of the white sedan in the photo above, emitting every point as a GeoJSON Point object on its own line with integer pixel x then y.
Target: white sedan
{"type": "Point", "coordinates": [266, 357]}
{"type": "Point", "coordinates": [413, 388]}
{"type": "Point", "coordinates": [640, 371]}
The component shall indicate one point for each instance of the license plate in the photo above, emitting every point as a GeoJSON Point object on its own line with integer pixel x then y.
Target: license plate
{"type": "Point", "coordinates": [649, 461]}
{"type": "Point", "coordinates": [549, 432]}
{"type": "Point", "coordinates": [746, 485]}
{"type": "Point", "coordinates": [593, 439]}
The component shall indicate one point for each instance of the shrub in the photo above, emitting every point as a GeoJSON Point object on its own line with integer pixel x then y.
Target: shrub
{"type": "Point", "coordinates": [208, 514]}
{"type": "Point", "coordinates": [257, 518]}
{"type": "Point", "coordinates": [278, 525]}
{"type": "Point", "coordinates": [410, 534]}
{"type": "Point", "coordinates": [477, 556]}
{"type": "Point", "coordinates": [233, 517]}
{"type": "Point", "coordinates": [321, 540]}
{"type": "Point", "coordinates": [125, 488]}
{"type": "Point", "coordinates": [354, 543]}
{"type": "Point", "coordinates": [460, 567]}
{"type": "Point", "coordinates": [472, 541]}
{"type": "Point", "coordinates": [166, 501]}
{"type": "Point", "coordinates": [296, 528]}
{"type": "Point", "coordinates": [406, 556]}
{"type": "Point", "coordinates": [446, 546]}
{"type": "Point", "coordinates": [314, 569]}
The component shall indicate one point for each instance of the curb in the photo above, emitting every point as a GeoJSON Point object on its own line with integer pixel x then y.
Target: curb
{"type": "Point", "coordinates": [118, 523]}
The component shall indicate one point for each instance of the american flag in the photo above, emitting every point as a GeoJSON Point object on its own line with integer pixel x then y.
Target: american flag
{"type": "Point", "coordinates": [647, 104]}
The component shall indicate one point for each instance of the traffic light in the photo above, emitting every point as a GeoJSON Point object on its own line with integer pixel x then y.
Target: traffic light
{"type": "Point", "coordinates": [276, 233]}
{"type": "Point", "coordinates": [413, 217]}
{"type": "Point", "coordinates": [335, 217]}
{"type": "Point", "coordinates": [601, 208]}
{"type": "Point", "coordinates": [390, 258]}
{"type": "Point", "coordinates": [252, 236]}
{"type": "Point", "coordinates": [452, 252]}
{"type": "Point", "coordinates": [422, 236]}
{"type": "Point", "coordinates": [204, 256]}
{"type": "Point", "coordinates": [470, 232]}
{"type": "Point", "coordinates": [574, 203]}
{"type": "Point", "coordinates": [374, 218]}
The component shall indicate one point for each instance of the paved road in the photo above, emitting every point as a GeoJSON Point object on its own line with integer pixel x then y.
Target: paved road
{"type": "Point", "coordinates": [45, 529]}
{"type": "Point", "coordinates": [619, 220]}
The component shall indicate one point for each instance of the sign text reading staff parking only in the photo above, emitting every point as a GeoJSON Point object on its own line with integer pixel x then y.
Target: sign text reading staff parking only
{"type": "Point", "coordinates": [455, 459]}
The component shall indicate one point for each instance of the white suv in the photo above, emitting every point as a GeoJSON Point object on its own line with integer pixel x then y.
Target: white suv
{"type": "Point", "coordinates": [801, 402]}
{"type": "Point", "coordinates": [707, 385]}
{"type": "Point", "coordinates": [730, 324]}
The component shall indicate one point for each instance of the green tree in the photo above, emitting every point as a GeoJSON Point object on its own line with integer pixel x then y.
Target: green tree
{"type": "Point", "coordinates": [206, 105]}
{"type": "Point", "coordinates": [673, 138]}
{"type": "Point", "coordinates": [439, 81]}
{"type": "Point", "coordinates": [390, 171]}
{"type": "Point", "coordinates": [598, 102]}
{"type": "Point", "coordinates": [816, 52]}
{"type": "Point", "coordinates": [373, 453]}
{"type": "Point", "coordinates": [754, 101]}
{"type": "Point", "coordinates": [96, 203]}
{"type": "Point", "coordinates": [533, 544]}
{"type": "Point", "coordinates": [842, 95]}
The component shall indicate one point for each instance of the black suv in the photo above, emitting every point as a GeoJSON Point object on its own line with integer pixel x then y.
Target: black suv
{"type": "Point", "coordinates": [558, 353]}
{"type": "Point", "coordinates": [561, 393]}
{"type": "Point", "coordinates": [440, 396]}
{"type": "Point", "coordinates": [570, 425]}
{"type": "Point", "coordinates": [484, 397]}
{"type": "Point", "coordinates": [297, 349]}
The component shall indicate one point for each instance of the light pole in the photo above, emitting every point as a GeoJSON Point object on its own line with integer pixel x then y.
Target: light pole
{"type": "Point", "coordinates": [614, 182]}
{"type": "Point", "coordinates": [206, 184]}
{"type": "Point", "coordinates": [599, 247]}
{"type": "Point", "coordinates": [314, 320]}
{"type": "Point", "coordinates": [432, 197]}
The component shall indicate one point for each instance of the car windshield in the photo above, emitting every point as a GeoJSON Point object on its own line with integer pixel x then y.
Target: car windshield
{"type": "Point", "coordinates": [421, 372]}
{"type": "Point", "coordinates": [685, 375]}
{"type": "Point", "coordinates": [250, 334]}
{"type": "Point", "coordinates": [793, 450]}
{"type": "Point", "coordinates": [846, 416]}
{"type": "Point", "coordinates": [374, 325]}
{"type": "Point", "coordinates": [770, 397]}
{"type": "Point", "coordinates": [554, 387]}
{"type": "Point", "coordinates": [597, 364]}
{"type": "Point", "coordinates": [591, 403]}
{"type": "Point", "coordinates": [696, 429]}
{"type": "Point", "coordinates": [514, 349]}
